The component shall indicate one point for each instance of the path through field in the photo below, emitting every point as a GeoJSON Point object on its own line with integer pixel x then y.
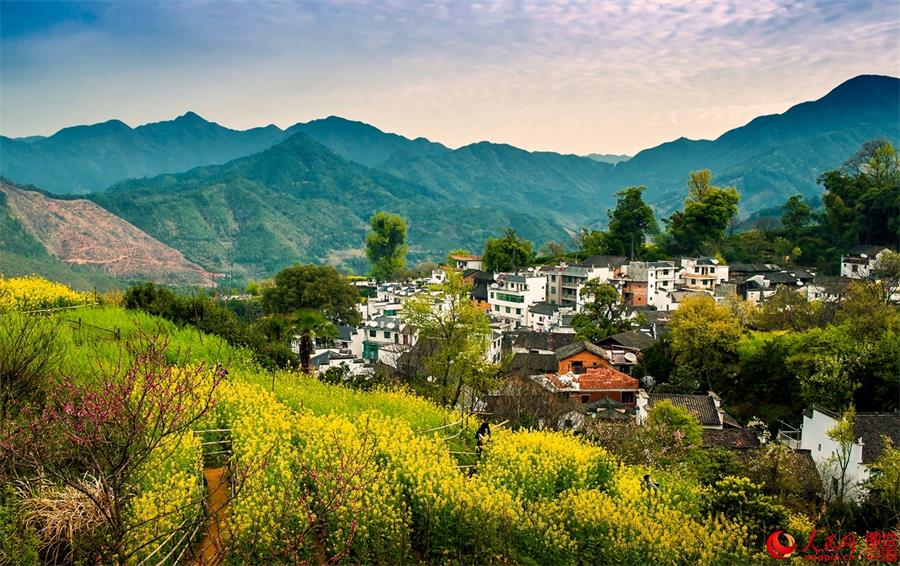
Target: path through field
{"type": "Point", "coordinates": [217, 501]}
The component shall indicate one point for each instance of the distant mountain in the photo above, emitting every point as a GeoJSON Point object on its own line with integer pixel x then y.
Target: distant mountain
{"type": "Point", "coordinates": [610, 158]}
{"type": "Point", "coordinates": [363, 143]}
{"type": "Point", "coordinates": [570, 189]}
{"type": "Point", "coordinates": [77, 232]}
{"type": "Point", "coordinates": [775, 156]}
{"type": "Point", "coordinates": [84, 159]}
{"type": "Point", "coordinates": [298, 201]}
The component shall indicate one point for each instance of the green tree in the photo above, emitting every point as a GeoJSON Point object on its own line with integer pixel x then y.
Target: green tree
{"type": "Point", "coordinates": [796, 215]}
{"type": "Point", "coordinates": [454, 335]}
{"type": "Point", "coordinates": [312, 298]}
{"type": "Point", "coordinates": [707, 213]}
{"type": "Point", "coordinates": [838, 464]}
{"type": "Point", "coordinates": [677, 421]}
{"type": "Point", "coordinates": [862, 199]}
{"type": "Point", "coordinates": [604, 312]}
{"type": "Point", "coordinates": [630, 223]}
{"type": "Point", "coordinates": [592, 242]}
{"type": "Point", "coordinates": [508, 252]}
{"type": "Point", "coordinates": [883, 486]}
{"type": "Point", "coordinates": [865, 310]}
{"type": "Point", "coordinates": [789, 310]}
{"type": "Point", "coordinates": [705, 337]}
{"type": "Point", "coordinates": [386, 245]}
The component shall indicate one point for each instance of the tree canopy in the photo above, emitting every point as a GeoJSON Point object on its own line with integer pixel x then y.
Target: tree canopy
{"type": "Point", "coordinates": [629, 223]}
{"type": "Point", "coordinates": [604, 312]}
{"type": "Point", "coordinates": [316, 287]}
{"type": "Point", "coordinates": [386, 245]}
{"type": "Point", "coordinates": [707, 213]}
{"type": "Point", "coordinates": [508, 252]}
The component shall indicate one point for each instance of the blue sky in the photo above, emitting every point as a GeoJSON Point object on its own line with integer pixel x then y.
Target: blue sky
{"type": "Point", "coordinates": [594, 76]}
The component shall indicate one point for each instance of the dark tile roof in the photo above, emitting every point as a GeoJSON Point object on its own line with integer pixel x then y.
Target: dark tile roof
{"type": "Point", "coordinates": [578, 347]}
{"type": "Point", "coordinates": [540, 340]}
{"type": "Point", "coordinates": [480, 290]}
{"type": "Point", "coordinates": [701, 406]}
{"type": "Point", "coordinates": [783, 278]}
{"type": "Point", "coordinates": [731, 438]}
{"type": "Point", "coordinates": [832, 283]}
{"type": "Point", "coordinates": [605, 261]}
{"type": "Point", "coordinates": [869, 250]}
{"type": "Point", "coordinates": [752, 268]}
{"type": "Point", "coordinates": [872, 428]}
{"type": "Point", "coordinates": [544, 307]}
{"type": "Point", "coordinates": [478, 275]}
{"type": "Point", "coordinates": [530, 363]}
{"type": "Point", "coordinates": [632, 339]}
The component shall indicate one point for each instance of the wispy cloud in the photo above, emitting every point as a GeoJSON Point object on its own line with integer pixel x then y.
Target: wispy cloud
{"type": "Point", "coordinates": [571, 76]}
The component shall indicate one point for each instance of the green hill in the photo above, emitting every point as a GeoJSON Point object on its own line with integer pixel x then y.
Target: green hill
{"type": "Point", "coordinates": [297, 201]}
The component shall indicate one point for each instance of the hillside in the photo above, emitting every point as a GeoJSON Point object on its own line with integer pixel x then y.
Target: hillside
{"type": "Point", "coordinates": [80, 233]}
{"type": "Point", "coordinates": [773, 157]}
{"type": "Point", "coordinates": [297, 201]}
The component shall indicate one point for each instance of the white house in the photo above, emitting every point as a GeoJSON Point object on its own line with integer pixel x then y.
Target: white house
{"type": "Point", "coordinates": [869, 430]}
{"type": "Point", "coordinates": [384, 331]}
{"type": "Point", "coordinates": [463, 262]}
{"type": "Point", "coordinates": [861, 260]}
{"type": "Point", "coordinates": [512, 294]}
{"type": "Point", "coordinates": [704, 274]}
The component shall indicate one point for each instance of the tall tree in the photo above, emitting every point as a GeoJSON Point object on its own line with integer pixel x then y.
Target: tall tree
{"type": "Point", "coordinates": [862, 199]}
{"type": "Point", "coordinates": [630, 223]}
{"type": "Point", "coordinates": [386, 245]}
{"type": "Point", "coordinates": [604, 312]}
{"type": "Point", "coordinates": [508, 252]}
{"type": "Point", "coordinates": [707, 213]}
{"type": "Point", "coordinates": [454, 335]}
{"type": "Point", "coordinates": [591, 242]}
{"type": "Point", "coordinates": [705, 339]}
{"type": "Point", "coordinates": [312, 297]}
{"type": "Point", "coordinates": [796, 215]}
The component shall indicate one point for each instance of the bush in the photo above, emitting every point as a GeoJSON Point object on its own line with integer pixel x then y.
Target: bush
{"type": "Point", "coordinates": [18, 544]}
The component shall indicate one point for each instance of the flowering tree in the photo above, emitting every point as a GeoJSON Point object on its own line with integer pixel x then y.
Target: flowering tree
{"type": "Point", "coordinates": [96, 439]}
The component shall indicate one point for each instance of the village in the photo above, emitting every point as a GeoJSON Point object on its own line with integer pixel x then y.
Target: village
{"type": "Point", "coordinates": [569, 381]}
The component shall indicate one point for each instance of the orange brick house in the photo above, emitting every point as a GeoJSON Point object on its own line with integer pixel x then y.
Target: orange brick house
{"type": "Point", "coordinates": [593, 385]}
{"type": "Point", "coordinates": [578, 357]}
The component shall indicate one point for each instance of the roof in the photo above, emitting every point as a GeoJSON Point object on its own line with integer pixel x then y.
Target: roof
{"type": "Point", "coordinates": [594, 379]}
{"type": "Point", "coordinates": [465, 257]}
{"type": "Point", "coordinates": [731, 438]}
{"type": "Point", "coordinates": [872, 428]}
{"type": "Point", "coordinates": [784, 277]}
{"type": "Point", "coordinates": [478, 275]}
{"type": "Point", "coordinates": [549, 341]}
{"type": "Point", "coordinates": [578, 347]}
{"type": "Point", "coordinates": [544, 307]}
{"type": "Point", "coordinates": [703, 407]}
{"type": "Point", "coordinates": [529, 362]}
{"type": "Point", "coordinates": [605, 261]}
{"type": "Point", "coordinates": [634, 339]}
{"type": "Point", "coordinates": [832, 283]}
{"type": "Point", "coordinates": [867, 249]}
{"type": "Point", "coordinates": [480, 290]}
{"type": "Point", "coordinates": [752, 268]}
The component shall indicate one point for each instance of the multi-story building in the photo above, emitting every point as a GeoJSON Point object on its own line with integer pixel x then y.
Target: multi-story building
{"type": "Point", "coordinates": [565, 282]}
{"type": "Point", "coordinates": [702, 274]}
{"type": "Point", "coordinates": [647, 282]}
{"type": "Point", "coordinates": [511, 295]}
{"type": "Point", "coordinates": [382, 331]}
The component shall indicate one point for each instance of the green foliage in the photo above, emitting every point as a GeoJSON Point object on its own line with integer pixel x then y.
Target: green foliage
{"type": "Point", "coordinates": [208, 316]}
{"type": "Point", "coordinates": [591, 242]}
{"type": "Point", "coordinates": [18, 544]}
{"type": "Point", "coordinates": [316, 287]}
{"type": "Point", "coordinates": [454, 334]}
{"type": "Point", "coordinates": [508, 252]}
{"type": "Point", "coordinates": [604, 312]}
{"type": "Point", "coordinates": [682, 424]}
{"type": "Point", "coordinates": [386, 245]}
{"type": "Point", "coordinates": [705, 337]}
{"type": "Point", "coordinates": [797, 215]}
{"type": "Point", "coordinates": [740, 499]}
{"type": "Point", "coordinates": [629, 223]}
{"type": "Point", "coordinates": [883, 487]}
{"type": "Point", "coordinates": [789, 310]}
{"type": "Point", "coordinates": [707, 213]}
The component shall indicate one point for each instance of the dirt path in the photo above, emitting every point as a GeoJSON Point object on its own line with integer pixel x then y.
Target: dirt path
{"type": "Point", "coordinates": [217, 501]}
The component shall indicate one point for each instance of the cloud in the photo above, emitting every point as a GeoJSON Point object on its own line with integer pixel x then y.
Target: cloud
{"type": "Point", "coordinates": [572, 76]}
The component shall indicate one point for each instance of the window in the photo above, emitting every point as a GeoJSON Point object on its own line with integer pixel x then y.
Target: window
{"type": "Point", "coordinates": [553, 278]}
{"type": "Point", "coordinates": [518, 311]}
{"type": "Point", "coordinates": [854, 268]}
{"type": "Point", "coordinates": [496, 307]}
{"type": "Point", "coordinates": [510, 298]}
{"type": "Point", "coordinates": [372, 334]}
{"type": "Point", "coordinates": [577, 367]}
{"type": "Point", "coordinates": [553, 290]}
{"type": "Point", "coordinates": [387, 334]}
{"type": "Point", "coordinates": [628, 397]}
{"type": "Point", "coordinates": [507, 310]}
{"type": "Point", "coordinates": [585, 399]}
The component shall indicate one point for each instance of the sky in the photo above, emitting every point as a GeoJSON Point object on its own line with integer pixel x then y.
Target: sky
{"type": "Point", "coordinates": [611, 76]}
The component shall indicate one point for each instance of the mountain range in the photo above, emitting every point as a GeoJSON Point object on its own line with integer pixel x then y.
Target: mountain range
{"type": "Point", "coordinates": [252, 201]}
